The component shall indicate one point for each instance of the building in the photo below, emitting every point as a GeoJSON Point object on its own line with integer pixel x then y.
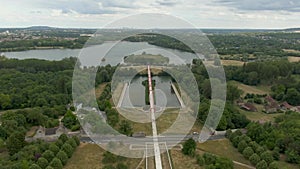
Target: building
{"type": "Point", "coordinates": [248, 107]}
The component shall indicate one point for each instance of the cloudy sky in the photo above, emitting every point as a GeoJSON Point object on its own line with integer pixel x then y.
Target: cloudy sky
{"type": "Point", "coordinates": [201, 13]}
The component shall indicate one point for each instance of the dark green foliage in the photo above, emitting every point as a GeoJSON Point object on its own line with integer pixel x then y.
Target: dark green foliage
{"type": "Point", "coordinates": [35, 166]}
{"type": "Point", "coordinates": [70, 121]}
{"type": "Point", "coordinates": [242, 145]}
{"type": "Point", "coordinates": [15, 142]}
{"type": "Point", "coordinates": [224, 163]}
{"type": "Point", "coordinates": [254, 159]}
{"type": "Point", "coordinates": [262, 165]}
{"type": "Point", "coordinates": [121, 166]}
{"type": "Point", "coordinates": [273, 165]}
{"type": "Point", "coordinates": [62, 156]}
{"type": "Point", "coordinates": [56, 163]}
{"type": "Point", "coordinates": [76, 139]}
{"type": "Point", "coordinates": [63, 138]}
{"type": "Point", "coordinates": [68, 149]}
{"type": "Point", "coordinates": [248, 152]}
{"type": "Point", "coordinates": [125, 128]}
{"type": "Point", "coordinates": [54, 148]}
{"type": "Point", "coordinates": [48, 155]}
{"type": "Point", "coordinates": [209, 158]}
{"type": "Point", "coordinates": [200, 160]}
{"type": "Point", "coordinates": [189, 147]}
{"type": "Point", "coordinates": [72, 143]}
{"type": "Point", "coordinates": [267, 156]}
{"type": "Point", "coordinates": [42, 162]}
{"type": "Point", "coordinates": [59, 143]}
{"type": "Point", "coordinates": [109, 158]}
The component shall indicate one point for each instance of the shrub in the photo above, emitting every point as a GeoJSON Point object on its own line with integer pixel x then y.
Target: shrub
{"type": "Point", "coordinates": [200, 160]}
{"type": "Point", "coordinates": [248, 152]}
{"type": "Point", "coordinates": [67, 149]}
{"type": "Point", "coordinates": [63, 138]}
{"type": "Point", "coordinates": [48, 155]}
{"type": "Point", "coordinates": [267, 156]}
{"type": "Point", "coordinates": [254, 159]}
{"type": "Point", "coordinates": [242, 145]}
{"type": "Point", "coordinates": [35, 166]}
{"type": "Point", "coordinates": [62, 156]}
{"type": "Point", "coordinates": [209, 158]}
{"type": "Point", "coordinates": [54, 148]}
{"type": "Point", "coordinates": [262, 165]}
{"type": "Point", "coordinates": [189, 147]}
{"type": "Point", "coordinates": [42, 162]}
{"type": "Point", "coordinates": [273, 165]}
{"type": "Point", "coordinates": [56, 163]}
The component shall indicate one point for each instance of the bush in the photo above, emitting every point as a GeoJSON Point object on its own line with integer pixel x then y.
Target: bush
{"type": "Point", "coordinates": [35, 166]}
{"type": "Point", "coordinates": [200, 160]}
{"type": "Point", "coordinates": [260, 150]}
{"type": "Point", "coordinates": [267, 156]}
{"type": "Point", "coordinates": [273, 165]}
{"type": "Point", "coordinates": [56, 163]}
{"type": "Point", "coordinates": [224, 163]}
{"type": "Point", "coordinates": [49, 167]}
{"type": "Point", "coordinates": [242, 145]}
{"type": "Point", "coordinates": [248, 152]}
{"type": "Point", "coordinates": [63, 138]}
{"type": "Point", "coordinates": [72, 143]}
{"type": "Point", "coordinates": [63, 157]}
{"type": "Point", "coordinates": [235, 141]}
{"type": "Point", "coordinates": [254, 159]}
{"type": "Point", "coordinates": [53, 147]}
{"type": "Point", "coordinates": [122, 166]}
{"type": "Point", "coordinates": [276, 153]}
{"type": "Point", "coordinates": [68, 149]}
{"type": "Point", "coordinates": [48, 155]}
{"type": "Point", "coordinates": [228, 133]}
{"type": "Point", "coordinates": [262, 165]}
{"type": "Point", "coordinates": [211, 166]}
{"type": "Point", "coordinates": [209, 158]}
{"type": "Point", "coordinates": [189, 147]}
{"type": "Point", "coordinates": [109, 158]}
{"type": "Point", "coordinates": [42, 162]}
{"type": "Point", "coordinates": [59, 143]}
{"type": "Point", "coordinates": [76, 139]}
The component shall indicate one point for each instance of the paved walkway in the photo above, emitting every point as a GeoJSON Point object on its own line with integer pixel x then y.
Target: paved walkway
{"type": "Point", "coordinates": [158, 163]}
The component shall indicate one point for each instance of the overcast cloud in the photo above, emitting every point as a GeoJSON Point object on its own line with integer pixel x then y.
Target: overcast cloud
{"type": "Point", "coordinates": [201, 13]}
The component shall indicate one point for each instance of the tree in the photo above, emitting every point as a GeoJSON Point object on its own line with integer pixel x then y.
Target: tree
{"type": "Point", "coordinates": [248, 152]}
{"type": "Point", "coordinates": [68, 149]}
{"type": "Point", "coordinates": [62, 156]}
{"type": "Point", "coordinates": [59, 143]}
{"type": "Point", "coordinates": [76, 139]}
{"type": "Point", "coordinates": [42, 162]}
{"type": "Point", "coordinates": [224, 163]}
{"type": "Point", "coordinates": [72, 143]}
{"type": "Point", "coordinates": [233, 93]}
{"type": "Point", "coordinates": [209, 158]}
{"type": "Point", "coordinates": [122, 166]}
{"type": "Point", "coordinates": [35, 166]}
{"type": "Point", "coordinates": [56, 163]}
{"type": "Point", "coordinates": [267, 157]}
{"type": "Point", "coordinates": [262, 165]}
{"type": "Point", "coordinates": [200, 160]}
{"type": "Point", "coordinates": [242, 145]}
{"type": "Point", "coordinates": [63, 138]}
{"type": "Point", "coordinates": [48, 155]}
{"type": "Point", "coordinates": [254, 159]}
{"type": "Point", "coordinates": [49, 167]}
{"type": "Point", "coordinates": [5, 101]}
{"type": "Point", "coordinates": [189, 147]}
{"type": "Point", "coordinates": [125, 128]}
{"type": "Point", "coordinates": [54, 148]}
{"type": "Point", "coordinates": [15, 142]}
{"type": "Point", "coordinates": [273, 165]}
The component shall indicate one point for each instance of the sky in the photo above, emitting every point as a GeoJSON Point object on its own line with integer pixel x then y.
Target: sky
{"type": "Point", "coordinates": [243, 14]}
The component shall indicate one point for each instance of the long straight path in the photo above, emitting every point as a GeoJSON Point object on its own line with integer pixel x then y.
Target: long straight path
{"type": "Point", "coordinates": [158, 163]}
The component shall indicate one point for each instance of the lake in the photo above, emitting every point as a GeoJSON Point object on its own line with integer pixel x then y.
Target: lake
{"type": "Point", "coordinates": [93, 55]}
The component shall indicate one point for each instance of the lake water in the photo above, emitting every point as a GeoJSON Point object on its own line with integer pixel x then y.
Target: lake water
{"type": "Point", "coordinates": [93, 55]}
{"type": "Point", "coordinates": [162, 91]}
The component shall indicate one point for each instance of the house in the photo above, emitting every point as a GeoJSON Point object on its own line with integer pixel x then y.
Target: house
{"type": "Point", "coordinates": [286, 106]}
{"type": "Point", "coordinates": [248, 107]}
{"type": "Point", "coordinates": [272, 105]}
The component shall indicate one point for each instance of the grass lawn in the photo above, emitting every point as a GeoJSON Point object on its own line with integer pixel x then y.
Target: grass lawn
{"type": "Point", "coordinates": [181, 161]}
{"type": "Point", "coordinates": [256, 116]}
{"type": "Point", "coordinates": [251, 89]}
{"type": "Point", "coordinates": [90, 156]}
{"type": "Point", "coordinates": [232, 63]}
{"type": "Point", "coordinates": [223, 148]}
